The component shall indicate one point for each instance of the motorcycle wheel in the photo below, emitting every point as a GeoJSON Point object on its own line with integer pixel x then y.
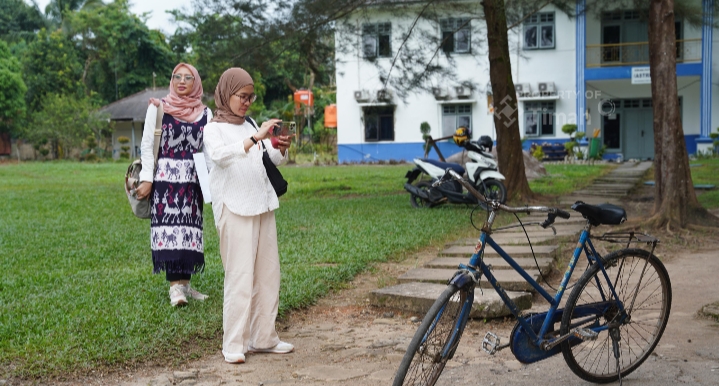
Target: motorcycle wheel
{"type": "Point", "coordinates": [493, 190]}
{"type": "Point", "coordinates": [417, 201]}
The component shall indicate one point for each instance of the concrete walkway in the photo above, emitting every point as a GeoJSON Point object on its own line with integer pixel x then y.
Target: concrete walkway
{"type": "Point", "coordinates": [420, 286]}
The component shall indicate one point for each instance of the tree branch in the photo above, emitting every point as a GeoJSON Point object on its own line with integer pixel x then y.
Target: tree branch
{"type": "Point", "coordinates": [409, 33]}
{"type": "Point", "coordinates": [529, 14]}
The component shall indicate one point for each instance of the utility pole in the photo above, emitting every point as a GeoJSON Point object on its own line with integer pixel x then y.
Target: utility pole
{"type": "Point", "coordinates": [153, 79]}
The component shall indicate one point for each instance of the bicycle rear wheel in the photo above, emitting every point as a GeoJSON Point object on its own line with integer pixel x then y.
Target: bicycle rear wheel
{"type": "Point", "coordinates": [642, 286]}
{"type": "Point", "coordinates": [435, 341]}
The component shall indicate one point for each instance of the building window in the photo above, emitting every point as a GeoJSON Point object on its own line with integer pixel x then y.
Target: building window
{"type": "Point", "coordinates": [539, 31]}
{"type": "Point", "coordinates": [456, 35]}
{"type": "Point", "coordinates": [538, 118]}
{"type": "Point", "coordinates": [454, 116]}
{"type": "Point", "coordinates": [379, 123]}
{"type": "Point", "coordinates": [376, 40]}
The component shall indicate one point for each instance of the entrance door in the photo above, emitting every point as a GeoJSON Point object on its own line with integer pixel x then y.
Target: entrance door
{"type": "Point", "coordinates": [612, 134]}
{"type": "Point", "coordinates": [638, 134]}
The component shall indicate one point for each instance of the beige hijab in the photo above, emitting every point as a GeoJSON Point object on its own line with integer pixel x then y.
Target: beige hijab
{"type": "Point", "coordinates": [230, 82]}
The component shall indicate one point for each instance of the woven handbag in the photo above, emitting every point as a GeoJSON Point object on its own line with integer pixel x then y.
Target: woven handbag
{"type": "Point", "coordinates": [141, 208]}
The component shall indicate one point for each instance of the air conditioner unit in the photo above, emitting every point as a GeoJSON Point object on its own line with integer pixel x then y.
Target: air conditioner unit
{"type": "Point", "coordinates": [384, 95]}
{"type": "Point", "coordinates": [523, 89]}
{"type": "Point", "coordinates": [463, 91]}
{"type": "Point", "coordinates": [362, 96]}
{"type": "Point", "coordinates": [546, 88]}
{"type": "Point", "coordinates": [440, 92]}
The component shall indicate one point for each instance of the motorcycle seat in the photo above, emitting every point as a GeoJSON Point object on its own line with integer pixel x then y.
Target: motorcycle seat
{"type": "Point", "coordinates": [601, 214]}
{"type": "Point", "coordinates": [445, 165]}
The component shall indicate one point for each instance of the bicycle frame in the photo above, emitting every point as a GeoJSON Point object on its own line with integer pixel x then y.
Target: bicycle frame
{"type": "Point", "coordinates": [476, 263]}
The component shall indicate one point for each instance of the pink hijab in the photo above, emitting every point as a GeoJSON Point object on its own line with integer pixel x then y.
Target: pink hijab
{"type": "Point", "coordinates": [186, 108]}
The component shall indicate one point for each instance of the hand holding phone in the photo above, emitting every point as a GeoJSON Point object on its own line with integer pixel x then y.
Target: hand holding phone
{"type": "Point", "coordinates": [285, 128]}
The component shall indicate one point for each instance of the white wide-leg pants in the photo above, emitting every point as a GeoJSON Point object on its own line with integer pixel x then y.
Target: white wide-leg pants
{"type": "Point", "coordinates": [248, 246]}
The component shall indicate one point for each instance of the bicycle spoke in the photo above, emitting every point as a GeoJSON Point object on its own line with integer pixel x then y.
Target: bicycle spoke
{"type": "Point", "coordinates": [641, 284]}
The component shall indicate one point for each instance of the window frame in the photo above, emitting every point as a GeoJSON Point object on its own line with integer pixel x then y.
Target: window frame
{"type": "Point", "coordinates": [539, 22]}
{"type": "Point", "coordinates": [380, 35]}
{"type": "Point", "coordinates": [459, 110]}
{"type": "Point", "coordinates": [375, 114]}
{"type": "Point", "coordinates": [544, 109]}
{"type": "Point", "coordinates": [454, 26]}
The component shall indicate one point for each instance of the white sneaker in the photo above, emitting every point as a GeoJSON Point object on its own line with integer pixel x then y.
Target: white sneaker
{"type": "Point", "coordinates": [193, 293]}
{"type": "Point", "coordinates": [177, 295]}
{"type": "Point", "coordinates": [235, 358]}
{"type": "Point", "coordinates": [280, 348]}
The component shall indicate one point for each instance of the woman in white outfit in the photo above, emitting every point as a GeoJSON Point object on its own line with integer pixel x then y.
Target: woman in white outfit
{"type": "Point", "coordinates": [243, 202]}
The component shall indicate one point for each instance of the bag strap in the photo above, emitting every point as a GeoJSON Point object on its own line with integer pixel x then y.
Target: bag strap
{"type": "Point", "coordinates": [252, 122]}
{"type": "Point", "coordinates": [158, 132]}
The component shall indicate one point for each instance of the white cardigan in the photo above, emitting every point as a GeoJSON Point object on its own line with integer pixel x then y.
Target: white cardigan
{"type": "Point", "coordinates": [237, 178]}
{"type": "Point", "coordinates": [148, 141]}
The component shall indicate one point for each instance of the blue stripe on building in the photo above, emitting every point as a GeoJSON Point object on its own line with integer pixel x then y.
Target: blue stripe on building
{"type": "Point", "coordinates": [580, 66]}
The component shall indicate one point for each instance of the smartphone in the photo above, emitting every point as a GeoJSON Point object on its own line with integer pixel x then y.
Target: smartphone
{"type": "Point", "coordinates": [284, 128]}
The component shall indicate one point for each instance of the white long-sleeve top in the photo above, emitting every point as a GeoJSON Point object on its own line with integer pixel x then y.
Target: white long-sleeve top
{"type": "Point", "coordinates": [237, 178]}
{"type": "Point", "coordinates": [148, 141]}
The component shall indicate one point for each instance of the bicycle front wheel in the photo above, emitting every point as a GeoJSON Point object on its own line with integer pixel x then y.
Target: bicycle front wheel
{"type": "Point", "coordinates": [643, 288]}
{"type": "Point", "coordinates": [435, 341]}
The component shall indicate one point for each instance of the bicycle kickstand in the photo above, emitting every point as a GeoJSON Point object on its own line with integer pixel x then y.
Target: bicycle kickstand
{"type": "Point", "coordinates": [614, 334]}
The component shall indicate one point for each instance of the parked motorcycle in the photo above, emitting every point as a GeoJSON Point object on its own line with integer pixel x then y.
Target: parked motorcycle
{"type": "Point", "coordinates": [481, 170]}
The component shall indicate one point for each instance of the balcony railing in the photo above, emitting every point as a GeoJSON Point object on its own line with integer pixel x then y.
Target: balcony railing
{"type": "Point", "coordinates": [630, 54]}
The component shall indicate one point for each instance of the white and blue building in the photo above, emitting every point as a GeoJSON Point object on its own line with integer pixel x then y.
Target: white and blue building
{"type": "Point", "coordinates": [588, 69]}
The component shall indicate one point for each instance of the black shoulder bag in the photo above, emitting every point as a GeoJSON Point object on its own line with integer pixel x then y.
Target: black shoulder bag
{"type": "Point", "coordinates": [273, 173]}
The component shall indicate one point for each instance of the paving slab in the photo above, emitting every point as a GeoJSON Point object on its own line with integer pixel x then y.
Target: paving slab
{"type": "Point", "coordinates": [514, 251]}
{"type": "Point", "coordinates": [613, 185]}
{"type": "Point", "coordinates": [508, 279]}
{"type": "Point", "coordinates": [545, 263]}
{"type": "Point", "coordinates": [592, 200]}
{"type": "Point", "coordinates": [419, 297]}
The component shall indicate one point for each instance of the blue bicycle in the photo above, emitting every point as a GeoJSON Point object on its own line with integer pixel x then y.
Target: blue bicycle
{"type": "Point", "coordinates": [611, 322]}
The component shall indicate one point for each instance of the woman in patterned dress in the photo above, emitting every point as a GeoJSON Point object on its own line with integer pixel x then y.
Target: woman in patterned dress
{"type": "Point", "coordinates": [174, 191]}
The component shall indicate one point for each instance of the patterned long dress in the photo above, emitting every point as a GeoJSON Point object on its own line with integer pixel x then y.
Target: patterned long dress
{"type": "Point", "coordinates": [176, 223]}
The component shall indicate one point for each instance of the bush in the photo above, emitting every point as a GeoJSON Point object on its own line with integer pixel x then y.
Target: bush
{"type": "Point", "coordinates": [537, 152]}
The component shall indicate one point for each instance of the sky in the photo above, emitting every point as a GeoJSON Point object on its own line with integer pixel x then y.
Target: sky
{"type": "Point", "coordinates": [157, 20]}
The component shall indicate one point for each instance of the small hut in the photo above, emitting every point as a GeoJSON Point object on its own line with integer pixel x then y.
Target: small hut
{"type": "Point", "coordinates": [129, 116]}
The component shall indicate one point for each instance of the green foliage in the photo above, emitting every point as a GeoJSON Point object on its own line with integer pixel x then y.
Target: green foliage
{"type": "Point", "coordinates": [572, 145]}
{"type": "Point", "coordinates": [65, 121]}
{"type": "Point", "coordinates": [425, 129]}
{"type": "Point", "coordinates": [569, 129]}
{"type": "Point", "coordinates": [537, 152]}
{"type": "Point", "coordinates": [12, 90]}
{"type": "Point", "coordinates": [51, 66]}
{"type": "Point", "coordinates": [19, 21]}
{"type": "Point", "coordinates": [119, 51]}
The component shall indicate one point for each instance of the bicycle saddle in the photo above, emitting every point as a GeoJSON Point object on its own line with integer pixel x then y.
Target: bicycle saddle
{"type": "Point", "coordinates": [444, 165]}
{"type": "Point", "coordinates": [601, 214]}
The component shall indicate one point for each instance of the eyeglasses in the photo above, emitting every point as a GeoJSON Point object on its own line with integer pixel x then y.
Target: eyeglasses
{"type": "Point", "coordinates": [246, 98]}
{"type": "Point", "coordinates": [178, 78]}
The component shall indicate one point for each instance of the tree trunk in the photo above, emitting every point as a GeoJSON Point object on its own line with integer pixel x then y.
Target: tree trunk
{"type": "Point", "coordinates": [506, 118]}
{"type": "Point", "coordinates": [675, 202]}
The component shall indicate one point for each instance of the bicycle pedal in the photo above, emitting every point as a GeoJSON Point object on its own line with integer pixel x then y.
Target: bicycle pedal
{"type": "Point", "coordinates": [490, 343]}
{"type": "Point", "coordinates": [585, 334]}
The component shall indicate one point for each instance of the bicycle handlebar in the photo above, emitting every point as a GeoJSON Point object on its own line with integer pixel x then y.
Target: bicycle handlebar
{"type": "Point", "coordinates": [553, 212]}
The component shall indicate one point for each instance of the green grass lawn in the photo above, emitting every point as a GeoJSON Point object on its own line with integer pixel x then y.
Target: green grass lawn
{"type": "Point", "coordinates": [707, 173]}
{"type": "Point", "coordinates": [77, 288]}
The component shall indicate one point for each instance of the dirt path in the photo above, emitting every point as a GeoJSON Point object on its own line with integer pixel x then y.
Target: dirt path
{"type": "Point", "coordinates": [344, 341]}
